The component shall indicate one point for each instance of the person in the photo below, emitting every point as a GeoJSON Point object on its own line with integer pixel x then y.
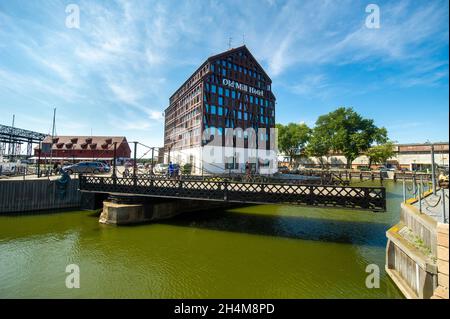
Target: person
{"type": "Point", "coordinates": [171, 169]}
{"type": "Point", "coordinates": [55, 168]}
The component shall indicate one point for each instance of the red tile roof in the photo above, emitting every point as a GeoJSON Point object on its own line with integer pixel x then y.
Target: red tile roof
{"type": "Point", "coordinates": [80, 142]}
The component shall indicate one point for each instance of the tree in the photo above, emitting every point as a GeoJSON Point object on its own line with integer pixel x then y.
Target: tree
{"type": "Point", "coordinates": [379, 154]}
{"type": "Point", "coordinates": [350, 133]}
{"type": "Point", "coordinates": [292, 138]}
{"type": "Point", "coordinates": [318, 146]}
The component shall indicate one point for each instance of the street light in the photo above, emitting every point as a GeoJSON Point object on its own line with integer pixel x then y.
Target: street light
{"type": "Point", "coordinates": [433, 173]}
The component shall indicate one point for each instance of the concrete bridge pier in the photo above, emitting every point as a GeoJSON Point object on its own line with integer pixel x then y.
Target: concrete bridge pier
{"type": "Point", "coordinates": [127, 210]}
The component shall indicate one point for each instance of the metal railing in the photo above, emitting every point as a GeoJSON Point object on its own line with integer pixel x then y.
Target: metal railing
{"type": "Point", "coordinates": [366, 198]}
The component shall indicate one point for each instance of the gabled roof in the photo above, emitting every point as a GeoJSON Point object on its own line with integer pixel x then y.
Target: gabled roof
{"type": "Point", "coordinates": [220, 55]}
{"type": "Point", "coordinates": [232, 51]}
{"type": "Point", "coordinates": [80, 142]}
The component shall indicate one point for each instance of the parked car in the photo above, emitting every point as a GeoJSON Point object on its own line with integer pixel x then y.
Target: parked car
{"type": "Point", "coordinates": [160, 168]}
{"type": "Point", "coordinates": [283, 169]}
{"type": "Point", "coordinates": [85, 167]}
{"type": "Point", "coordinates": [106, 167]}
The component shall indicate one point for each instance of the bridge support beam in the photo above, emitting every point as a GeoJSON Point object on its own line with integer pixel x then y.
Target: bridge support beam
{"type": "Point", "coordinates": [134, 210]}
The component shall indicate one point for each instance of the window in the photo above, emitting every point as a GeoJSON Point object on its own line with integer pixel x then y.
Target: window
{"type": "Point", "coordinates": [245, 71]}
{"type": "Point", "coordinates": [239, 115]}
{"type": "Point", "coordinates": [251, 98]}
{"type": "Point", "coordinates": [220, 111]}
{"type": "Point", "coordinates": [212, 67]}
{"type": "Point", "coordinates": [227, 92]}
{"type": "Point", "coordinates": [213, 109]}
{"type": "Point", "coordinates": [233, 94]}
{"type": "Point", "coordinates": [213, 88]}
{"type": "Point", "coordinates": [256, 100]}
{"type": "Point", "coordinates": [220, 90]}
{"type": "Point", "coordinates": [224, 72]}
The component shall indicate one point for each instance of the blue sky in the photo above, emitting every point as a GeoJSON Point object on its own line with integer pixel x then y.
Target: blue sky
{"type": "Point", "coordinates": [114, 74]}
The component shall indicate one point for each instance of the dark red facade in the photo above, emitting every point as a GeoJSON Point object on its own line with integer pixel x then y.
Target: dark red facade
{"type": "Point", "coordinates": [83, 148]}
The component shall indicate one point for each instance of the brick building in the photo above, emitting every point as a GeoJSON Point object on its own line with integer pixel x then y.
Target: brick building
{"type": "Point", "coordinates": [83, 148]}
{"type": "Point", "coordinates": [228, 103]}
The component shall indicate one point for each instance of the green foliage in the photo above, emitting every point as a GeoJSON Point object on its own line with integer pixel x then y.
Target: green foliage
{"type": "Point", "coordinates": [187, 169]}
{"type": "Point", "coordinates": [379, 154]}
{"type": "Point", "coordinates": [349, 133]}
{"type": "Point", "coordinates": [319, 145]}
{"type": "Point", "coordinates": [292, 138]}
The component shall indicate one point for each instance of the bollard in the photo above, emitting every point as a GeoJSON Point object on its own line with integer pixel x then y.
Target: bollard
{"type": "Point", "coordinates": [420, 198]}
{"type": "Point", "coordinates": [404, 189]}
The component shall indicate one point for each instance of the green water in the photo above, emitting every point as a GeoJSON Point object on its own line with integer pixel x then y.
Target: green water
{"type": "Point", "coordinates": [264, 251]}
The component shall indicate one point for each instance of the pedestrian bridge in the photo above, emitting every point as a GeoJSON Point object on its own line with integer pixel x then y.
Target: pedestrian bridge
{"type": "Point", "coordinates": [364, 198]}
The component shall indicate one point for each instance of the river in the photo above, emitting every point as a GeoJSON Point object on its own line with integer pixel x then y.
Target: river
{"type": "Point", "coordinates": [260, 251]}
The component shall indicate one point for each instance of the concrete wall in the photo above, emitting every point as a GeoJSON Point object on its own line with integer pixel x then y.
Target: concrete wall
{"type": "Point", "coordinates": [41, 194]}
{"type": "Point", "coordinates": [442, 261]}
{"type": "Point", "coordinates": [411, 253]}
{"type": "Point", "coordinates": [148, 210]}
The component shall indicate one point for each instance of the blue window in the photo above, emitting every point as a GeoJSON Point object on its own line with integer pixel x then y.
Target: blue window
{"type": "Point", "coordinates": [220, 111]}
{"type": "Point", "coordinates": [213, 88]}
{"type": "Point", "coordinates": [245, 116]}
{"type": "Point", "coordinates": [239, 95]}
{"type": "Point", "coordinates": [213, 109]}
{"type": "Point", "coordinates": [256, 100]}
{"type": "Point", "coordinates": [235, 67]}
{"type": "Point", "coordinates": [220, 90]}
{"type": "Point", "coordinates": [245, 71]}
{"type": "Point", "coordinates": [229, 65]}
{"type": "Point", "coordinates": [233, 94]}
{"type": "Point", "coordinates": [267, 103]}
{"type": "Point", "coordinates": [212, 67]}
{"type": "Point", "coordinates": [262, 110]}
{"type": "Point", "coordinates": [207, 87]}
{"type": "Point", "coordinates": [262, 102]}
{"type": "Point", "coordinates": [251, 98]}
{"type": "Point", "coordinates": [224, 63]}
{"type": "Point", "coordinates": [227, 92]}
{"type": "Point", "coordinates": [219, 130]}
{"type": "Point", "coordinates": [239, 115]}
{"type": "Point", "coordinates": [224, 72]}
{"type": "Point", "coordinates": [250, 72]}
{"type": "Point", "coordinates": [240, 69]}
{"type": "Point", "coordinates": [220, 100]}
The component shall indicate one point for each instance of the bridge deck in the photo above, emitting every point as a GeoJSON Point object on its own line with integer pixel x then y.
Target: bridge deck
{"type": "Point", "coordinates": [367, 198]}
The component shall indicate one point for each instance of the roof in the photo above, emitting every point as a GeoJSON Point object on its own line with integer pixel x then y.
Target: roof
{"type": "Point", "coordinates": [83, 142]}
{"type": "Point", "coordinates": [218, 56]}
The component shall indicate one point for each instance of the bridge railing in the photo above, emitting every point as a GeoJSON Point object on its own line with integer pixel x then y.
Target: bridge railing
{"type": "Point", "coordinates": [368, 198]}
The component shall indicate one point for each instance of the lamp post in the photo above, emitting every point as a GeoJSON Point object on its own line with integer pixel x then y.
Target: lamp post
{"type": "Point", "coordinates": [433, 173]}
{"type": "Point", "coordinates": [114, 175]}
